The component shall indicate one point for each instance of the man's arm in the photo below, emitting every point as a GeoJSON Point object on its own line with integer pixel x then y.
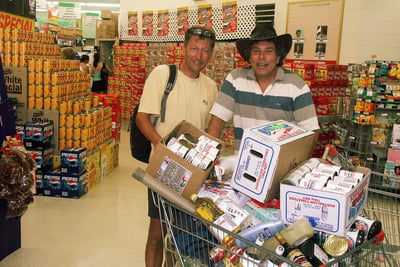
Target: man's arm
{"type": "Point", "coordinates": [215, 126]}
{"type": "Point", "coordinates": [146, 127]}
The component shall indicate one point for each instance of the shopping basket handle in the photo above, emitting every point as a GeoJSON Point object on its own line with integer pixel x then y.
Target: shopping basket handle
{"type": "Point", "coordinates": [163, 190]}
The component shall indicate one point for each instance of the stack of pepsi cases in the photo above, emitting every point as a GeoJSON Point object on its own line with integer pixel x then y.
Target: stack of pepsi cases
{"type": "Point", "coordinates": [74, 178]}
{"type": "Point", "coordinates": [38, 137]}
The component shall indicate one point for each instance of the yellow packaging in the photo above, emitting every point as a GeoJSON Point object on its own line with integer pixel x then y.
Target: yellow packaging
{"type": "Point", "coordinates": [39, 102]}
{"type": "Point", "coordinates": [85, 134]}
{"type": "Point", "coordinates": [23, 60]}
{"type": "Point", "coordinates": [47, 90]}
{"type": "Point", "coordinates": [87, 104]}
{"type": "Point", "coordinates": [31, 101]}
{"type": "Point", "coordinates": [8, 47]}
{"type": "Point", "coordinates": [47, 78]}
{"type": "Point", "coordinates": [62, 143]}
{"type": "Point", "coordinates": [69, 143]}
{"type": "Point", "coordinates": [7, 60]}
{"type": "Point", "coordinates": [70, 120]}
{"type": "Point", "coordinates": [63, 132]}
{"type": "Point", "coordinates": [15, 60]}
{"type": "Point", "coordinates": [70, 133]}
{"type": "Point", "coordinates": [39, 90]}
{"type": "Point", "coordinates": [55, 103]}
{"type": "Point", "coordinates": [39, 65]}
{"type": "Point", "coordinates": [63, 120]}
{"type": "Point", "coordinates": [47, 66]}
{"type": "Point", "coordinates": [69, 106]}
{"type": "Point", "coordinates": [54, 78]}
{"type": "Point", "coordinates": [47, 103]}
{"type": "Point", "coordinates": [76, 108]}
{"type": "Point", "coordinates": [77, 134]}
{"type": "Point", "coordinates": [15, 48]}
{"type": "Point", "coordinates": [78, 120]}
{"type": "Point", "coordinates": [87, 120]}
{"type": "Point", "coordinates": [77, 143]}
{"type": "Point", "coordinates": [31, 89]}
{"type": "Point", "coordinates": [39, 78]}
{"type": "Point", "coordinates": [63, 107]}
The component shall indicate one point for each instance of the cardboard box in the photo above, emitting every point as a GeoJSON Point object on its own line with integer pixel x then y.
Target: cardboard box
{"type": "Point", "coordinates": [186, 179]}
{"type": "Point", "coordinates": [105, 29]}
{"type": "Point", "coordinates": [74, 186]}
{"type": "Point", "coordinates": [106, 14]}
{"type": "Point", "coordinates": [334, 213]}
{"type": "Point", "coordinates": [266, 154]}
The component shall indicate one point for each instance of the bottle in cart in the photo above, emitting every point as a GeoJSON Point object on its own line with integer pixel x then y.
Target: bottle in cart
{"type": "Point", "coordinates": [206, 208]}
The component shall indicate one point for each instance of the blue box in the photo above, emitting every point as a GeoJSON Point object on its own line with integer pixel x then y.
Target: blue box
{"type": "Point", "coordinates": [38, 134]}
{"type": "Point", "coordinates": [74, 186]}
{"type": "Point", "coordinates": [73, 161]}
{"type": "Point", "coordinates": [39, 183]}
{"type": "Point", "coordinates": [43, 157]}
{"type": "Point", "coordinates": [52, 183]}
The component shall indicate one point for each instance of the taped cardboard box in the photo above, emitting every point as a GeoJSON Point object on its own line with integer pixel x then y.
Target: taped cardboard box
{"type": "Point", "coordinates": [266, 154]}
{"type": "Point", "coordinates": [174, 171]}
{"type": "Point", "coordinates": [334, 213]}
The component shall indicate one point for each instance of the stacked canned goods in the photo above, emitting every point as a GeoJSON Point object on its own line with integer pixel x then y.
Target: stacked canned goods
{"type": "Point", "coordinates": [316, 175]}
{"type": "Point", "coordinates": [200, 152]}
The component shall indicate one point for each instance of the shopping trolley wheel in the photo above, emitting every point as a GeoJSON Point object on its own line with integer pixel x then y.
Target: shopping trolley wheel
{"type": "Point", "coordinates": [380, 237]}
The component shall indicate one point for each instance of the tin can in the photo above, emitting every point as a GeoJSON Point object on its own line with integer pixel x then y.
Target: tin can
{"type": "Point", "coordinates": [298, 257]}
{"type": "Point", "coordinates": [210, 141]}
{"type": "Point", "coordinates": [346, 180]}
{"type": "Point", "coordinates": [197, 159]}
{"type": "Point", "coordinates": [355, 175]}
{"type": "Point", "coordinates": [205, 163]}
{"type": "Point", "coordinates": [336, 245]}
{"type": "Point", "coordinates": [70, 120]}
{"type": "Point", "coordinates": [343, 187]}
{"type": "Point", "coordinates": [182, 151]}
{"type": "Point", "coordinates": [191, 154]}
{"type": "Point", "coordinates": [77, 133]}
{"type": "Point", "coordinates": [370, 227]}
{"type": "Point", "coordinates": [319, 171]}
{"type": "Point", "coordinates": [39, 102]}
{"type": "Point", "coordinates": [311, 184]}
{"type": "Point", "coordinates": [324, 178]}
{"type": "Point", "coordinates": [31, 90]}
{"type": "Point", "coordinates": [55, 104]}
{"type": "Point", "coordinates": [70, 133]}
{"type": "Point", "coordinates": [69, 143]}
{"type": "Point", "coordinates": [47, 103]}
{"type": "Point", "coordinates": [62, 144]}
{"type": "Point", "coordinates": [292, 179]}
{"type": "Point", "coordinates": [235, 254]}
{"type": "Point", "coordinates": [355, 237]}
{"type": "Point", "coordinates": [63, 132]}
{"type": "Point", "coordinates": [216, 254]}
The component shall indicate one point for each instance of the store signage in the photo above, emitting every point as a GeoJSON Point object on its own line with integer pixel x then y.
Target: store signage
{"type": "Point", "coordinates": [68, 11]}
{"type": "Point", "coordinates": [16, 22]}
{"type": "Point", "coordinates": [90, 19]}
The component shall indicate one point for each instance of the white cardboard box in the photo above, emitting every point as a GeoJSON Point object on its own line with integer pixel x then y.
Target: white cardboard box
{"type": "Point", "coordinates": [334, 213]}
{"type": "Point", "coordinates": [267, 153]}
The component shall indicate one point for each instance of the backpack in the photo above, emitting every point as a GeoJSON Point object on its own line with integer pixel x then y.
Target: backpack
{"type": "Point", "coordinates": [140, 146]}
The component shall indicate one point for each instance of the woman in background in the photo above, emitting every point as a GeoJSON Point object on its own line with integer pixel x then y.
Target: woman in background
{"type": "Point", "coordinates": [99, 85]}
{"type": "Point", "coordinates": [83, 65]}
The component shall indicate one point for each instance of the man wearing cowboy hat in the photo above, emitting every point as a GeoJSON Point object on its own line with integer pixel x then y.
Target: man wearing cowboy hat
{"type": "Point", "coordinates": [263, 91]}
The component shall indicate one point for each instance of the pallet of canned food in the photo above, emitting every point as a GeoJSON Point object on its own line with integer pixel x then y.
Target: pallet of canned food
{"type": "Point", "coordinates": [253, 213]}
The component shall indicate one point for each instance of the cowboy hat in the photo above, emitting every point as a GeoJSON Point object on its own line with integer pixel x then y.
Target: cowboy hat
{"type": "Point", "coordinates": [264, 32]}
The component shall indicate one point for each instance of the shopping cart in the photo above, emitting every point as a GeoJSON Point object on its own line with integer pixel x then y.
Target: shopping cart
{"type": "Point", "coordinates": [188, 242]}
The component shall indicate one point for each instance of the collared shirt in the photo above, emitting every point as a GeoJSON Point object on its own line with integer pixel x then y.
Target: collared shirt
{"type": "Point", "coordinates": [287, 98]}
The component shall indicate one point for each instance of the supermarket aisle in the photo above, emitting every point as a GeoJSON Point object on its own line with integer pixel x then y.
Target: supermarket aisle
{"type": "Point", "coordinates": [106, 227]}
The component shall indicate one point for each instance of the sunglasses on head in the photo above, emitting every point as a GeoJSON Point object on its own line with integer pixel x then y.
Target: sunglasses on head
{"type": "Point", "coordinates": [203, 32]}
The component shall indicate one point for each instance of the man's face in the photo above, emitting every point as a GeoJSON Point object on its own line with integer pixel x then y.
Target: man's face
{"type": "Point", "coordinates": [197, 53]}
{"type": "Point", "coordinates": [263, 59]}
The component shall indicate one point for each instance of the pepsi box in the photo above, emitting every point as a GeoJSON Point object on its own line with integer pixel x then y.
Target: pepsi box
{"type": "Point", "coordinates": [74, 186]}
{"type": "Point", "coordinates": [20, 129]}
{"type": "Point", "coordinates": [38, 134]}
{"type": "Point", "coordinates": [43, 157]}
{"type": "Point", "coordinates": [52, 183]}
{"type": "Point", "coordinates": [73, 160]}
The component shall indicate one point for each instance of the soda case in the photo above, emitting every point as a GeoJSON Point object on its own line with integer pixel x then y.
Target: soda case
{"type": "Point", "coordinates": [37, 134]}
{"type": "Point", "coordinates": [73, 160]}
{"type": "Point", "coordinates": [43, 157]}
{"type": "Point", "coordinates": [52, 183]}
{"type": "Point", "coordinates": [74, 186]}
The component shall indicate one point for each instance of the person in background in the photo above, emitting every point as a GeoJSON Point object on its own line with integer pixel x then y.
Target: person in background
{"type": "Point", "coordinates": [99, 85]}
{"type": "Point", "coordinates": [264, 91]}
{"type": "Point", "coordinates": [190, 99]}
{"type": "Point", "coordinates": [68, 53]}
{"type": "Point", "coordinates": [84, 64]}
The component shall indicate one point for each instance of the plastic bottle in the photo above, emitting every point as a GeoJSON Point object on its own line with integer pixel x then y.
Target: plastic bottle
{"type": "Point", "coordinates": [206, 208]}
{"type": "Point", "coordinates": [266, 230]}
{"type": "Point", "coordinates": [238, 215]}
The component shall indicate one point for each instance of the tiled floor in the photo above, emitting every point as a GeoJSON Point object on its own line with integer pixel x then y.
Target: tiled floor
{"type": "Point", "coordinates": [106, 227]}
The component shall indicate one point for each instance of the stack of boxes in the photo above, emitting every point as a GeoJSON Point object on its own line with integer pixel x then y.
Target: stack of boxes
{"type": "Point", "coordinates": [18, 46]}
{"type": "Point", "coordinates": [107, 27]}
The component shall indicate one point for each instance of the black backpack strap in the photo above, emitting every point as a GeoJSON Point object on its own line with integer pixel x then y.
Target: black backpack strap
{"type": "Point", "coordinates": [168, 89]}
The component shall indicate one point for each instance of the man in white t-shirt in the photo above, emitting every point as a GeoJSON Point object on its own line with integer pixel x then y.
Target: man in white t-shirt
{"type": "Point", "coordinates": [191, 100]}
